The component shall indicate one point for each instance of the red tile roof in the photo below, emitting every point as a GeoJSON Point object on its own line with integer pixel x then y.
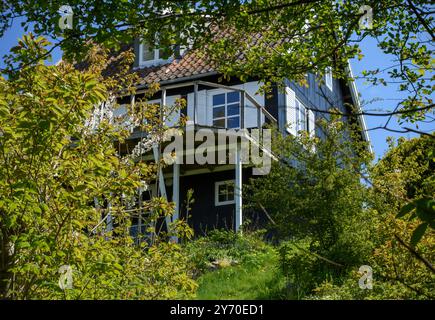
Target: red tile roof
{"type": "Point", "coordinates": [189, 64]}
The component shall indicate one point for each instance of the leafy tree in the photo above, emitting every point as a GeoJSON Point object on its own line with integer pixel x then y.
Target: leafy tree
{"type": "Point", "coordinates": [402, 254]}
{"type": "Point", "coordinates": [405, 175]}
{"type": "Point", "coordinates": [317, 197]}
{"type": "Point", "coordinates": [405, 246]}
{"type": "Point", "coordinates": [55, 164]}
{"type": "Point", "coordinates": [317, 33]}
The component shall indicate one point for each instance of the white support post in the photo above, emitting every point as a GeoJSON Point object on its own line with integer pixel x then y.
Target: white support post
{"type": "Point", "coordinates": [176, 194]}
{"type": "Point", "coordinates": [242, 110]}
{"type": "Point", "coordinates": [238, 187]}
{"type": "Point", "coordinates": [163, 104]}
{"type": "Point", "coordinates": [161, 181]}
{"type": "Point", "coordinates": [195, 102]}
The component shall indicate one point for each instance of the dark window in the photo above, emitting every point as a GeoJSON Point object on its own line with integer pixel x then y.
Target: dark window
{"type": "Point", "coordinates": [226, 110]}
{"type": "Point", "coordinates": [224, 192]}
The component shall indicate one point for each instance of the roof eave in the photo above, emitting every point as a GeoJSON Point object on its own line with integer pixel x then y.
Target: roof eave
{"type": "Point", "coordinates": [181, 79]}
{"type": "Point", "coordinates": [357, 103]}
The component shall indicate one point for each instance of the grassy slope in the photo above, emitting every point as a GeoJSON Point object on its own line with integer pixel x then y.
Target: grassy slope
{"type": "Point", "coordinates": [256, 280]}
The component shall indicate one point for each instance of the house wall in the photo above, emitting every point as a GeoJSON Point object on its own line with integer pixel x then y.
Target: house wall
{"type": "Point", "coordinates": [204, 112]}
{"type": "Point", "coordinates": [205, 215]}
{"type": "Point", "coordinates": [314, 96]}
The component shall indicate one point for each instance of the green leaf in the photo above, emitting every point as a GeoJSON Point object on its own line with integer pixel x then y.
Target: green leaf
{"type": "Point", "coordinates": [406, 209]}
{"type": "Point", "coordinates": [418, 233]}
{"type": "Point", "coordinates": [23, 244]}
{"type": "Point", "coordinates": [118, 266]}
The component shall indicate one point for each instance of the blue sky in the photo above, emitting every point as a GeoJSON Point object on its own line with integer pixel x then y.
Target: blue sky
{"type": "Point", "coordinates": [373, 58]}
{"type": "Point", "coordinates": [386, 97]}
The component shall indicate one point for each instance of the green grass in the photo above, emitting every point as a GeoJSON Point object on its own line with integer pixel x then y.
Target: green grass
{"type": "Point", "coordinates": [257, 278]}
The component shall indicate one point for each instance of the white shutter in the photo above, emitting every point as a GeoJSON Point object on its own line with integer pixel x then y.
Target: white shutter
{"type": "Point", "coordinates": [190, 106]}
{"type": "Point", "coordinates": [290, 107]}
{"type": "Point", "coordinates": [251, 112]}
{"type": "Point", "coordinates": [201, 112]}
{"type": "Point", "coordinates": [312, 123]}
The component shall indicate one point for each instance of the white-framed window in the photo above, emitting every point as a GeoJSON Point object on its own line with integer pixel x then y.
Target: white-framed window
{"type": "Point", "coordinates": [148, 55]}
{"type": "Point", "coordinates": [224, 192]}
{"type": "Point", "coordinates": [311, 123]}
{"type": "Point", "coordinates": [226, 110]}
{"type": "Point", "coordinates": [328, 78]}
{"type": "Point", "coordinates": [301, 117]}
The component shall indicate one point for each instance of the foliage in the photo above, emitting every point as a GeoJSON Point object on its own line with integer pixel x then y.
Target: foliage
{"type": "Point", "coordinates": [54, 166]}
{"type": "Point", "coordinates": [405, 177]}
{"type": "Point", "coordinates": [397, 274]}
{"type": "Point", "coordinates": [317, 198]}
{"type": "Point", "coordinates": [350, 290]}
{"type": "Point", "coordinates": [319, 34]}
{"type": "Point", "coordinates": [317, 195]}
{"type": "Point", "coordinates": [425, 211]}
{"type": "Point", "coordinates": [297, 267]}
{"type": "Point", "coordinates": [401, 259]}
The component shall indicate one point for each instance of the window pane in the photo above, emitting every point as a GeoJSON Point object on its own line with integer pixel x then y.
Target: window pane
{"type": "Point", "coordinates": [233, 110]}
{"type": "Point", "coordinates": [219, 123]}
{"type": "Point", "coordinates": [230, 195]}
{"type": "Point", "coordinates": [233, 122]}
{"type": "Point", "coordinates": [222, 189]}
{"type": "Point", "coordinates": [230, 191]}
{"type": "Point", "coordinates": [147, 53]}
{"type": "Point", "coordinates": [219, 99]}
{"type": "Point", "coordinates": [225, 191]}
{"type": "Point", "coordinates": [219, 112]}
{"type": "Point", "coordinates": [233, 97]}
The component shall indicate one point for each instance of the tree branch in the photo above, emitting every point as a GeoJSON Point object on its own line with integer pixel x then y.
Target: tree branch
{"type": "Point", "coordinates": [415, 254]}
{"type": "Point", "coordinates": [422, 21]}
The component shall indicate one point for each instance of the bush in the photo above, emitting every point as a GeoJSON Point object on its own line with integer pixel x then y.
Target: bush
{"type": "Point", "coordinates": [296, 266]}
{"type": "Point", "coordinates": [305, 270]}
{"type": "Point", "coordinates": [350, 290]}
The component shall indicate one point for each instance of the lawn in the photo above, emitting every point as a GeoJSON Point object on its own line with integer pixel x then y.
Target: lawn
{"type": "Point", "coordinates": [257, 278]}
